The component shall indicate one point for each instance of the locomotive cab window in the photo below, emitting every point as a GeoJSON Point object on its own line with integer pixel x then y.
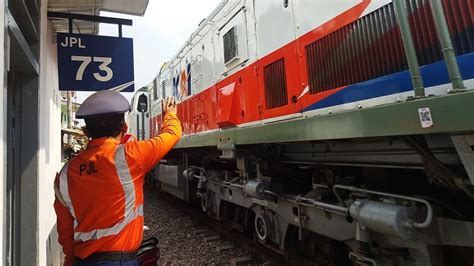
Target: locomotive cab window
{"type": "Point", "coordinates": [230, 45]}
{"type": "Point", "coordinates": [142, 105]}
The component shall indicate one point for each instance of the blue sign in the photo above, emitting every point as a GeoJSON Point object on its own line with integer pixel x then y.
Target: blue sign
{"type": "Point", "coordinates": [95, 63]}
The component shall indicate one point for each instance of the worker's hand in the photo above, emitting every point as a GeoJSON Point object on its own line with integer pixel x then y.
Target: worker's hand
{"type": "Point", "coordinates": [169, 106]}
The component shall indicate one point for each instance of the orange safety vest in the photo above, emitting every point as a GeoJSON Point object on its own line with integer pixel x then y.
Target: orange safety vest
{"type": "Point", "coordinates": [102, 189]}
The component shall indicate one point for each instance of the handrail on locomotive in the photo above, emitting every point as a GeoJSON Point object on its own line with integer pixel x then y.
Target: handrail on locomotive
{"type": "Point", "coordinates": [445, 41]}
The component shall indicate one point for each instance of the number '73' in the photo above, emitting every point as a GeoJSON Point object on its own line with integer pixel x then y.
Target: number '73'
{"type": "Point", "coordinates": [103, 67]}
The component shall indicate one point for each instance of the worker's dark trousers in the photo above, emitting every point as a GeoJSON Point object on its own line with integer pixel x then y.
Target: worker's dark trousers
{"type": "Point", "coordinates": [106, 263]}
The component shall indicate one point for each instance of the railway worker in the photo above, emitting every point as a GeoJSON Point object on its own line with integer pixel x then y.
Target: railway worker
{"type": "Point", "coordinates": [99, 193]}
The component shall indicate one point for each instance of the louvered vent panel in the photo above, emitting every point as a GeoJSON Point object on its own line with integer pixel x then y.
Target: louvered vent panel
{"type": "Point", "coordinates": [372, 47]}
{"type": "Point", "coordinates": [163, 89]}
{"type": "Point", "coordinates": [275, 84]}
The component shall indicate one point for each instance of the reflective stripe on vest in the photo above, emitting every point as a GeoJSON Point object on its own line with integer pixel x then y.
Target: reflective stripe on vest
{"type": "Point", "coordinates": [128, 186]}
{"type": "Point", "coordinates": [63, 188]}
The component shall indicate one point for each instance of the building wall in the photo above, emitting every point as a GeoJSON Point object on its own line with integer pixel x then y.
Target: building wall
{"type": "Point", "coordinates": [3, 119]}
{"type": "Point", "coordinates": [38, 120]}
{"type": "Point", "coordinates": [49, 153]}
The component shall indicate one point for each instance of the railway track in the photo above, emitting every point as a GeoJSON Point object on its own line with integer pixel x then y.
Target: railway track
{"type": "Point", "coordinates": [222, 239]}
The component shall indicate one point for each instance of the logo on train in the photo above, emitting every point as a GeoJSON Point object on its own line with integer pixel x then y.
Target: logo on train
{"type": "Point", "coordinates": [182, 83]}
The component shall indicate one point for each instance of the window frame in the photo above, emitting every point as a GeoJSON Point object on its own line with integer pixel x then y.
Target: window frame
{"type": "Point", "coordinates": [229, 60]}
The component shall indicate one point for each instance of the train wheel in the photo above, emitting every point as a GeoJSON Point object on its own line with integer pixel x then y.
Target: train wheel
{"type": "Point", "coordinates": [204, 202]}
{"type": "Point", "coordinates": [263, 226]}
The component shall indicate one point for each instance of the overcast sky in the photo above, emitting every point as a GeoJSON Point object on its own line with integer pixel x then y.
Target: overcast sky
{"type": "Point", "coordinates": [158, 35]}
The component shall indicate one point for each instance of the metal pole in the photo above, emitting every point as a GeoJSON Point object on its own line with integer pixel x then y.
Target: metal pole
{"type": "Point", "coordinates": [138, 127]}
{"type": "Point", "coordinates": [70, 26]}
{"type": "Point", "coordinates": [409, 46]}
{"type": "Point", "coordinates": [69, 115]}
{"type": "Point", "coordinates": [446, 45]}
{"type": "Point", "coordinates": [143, 125]}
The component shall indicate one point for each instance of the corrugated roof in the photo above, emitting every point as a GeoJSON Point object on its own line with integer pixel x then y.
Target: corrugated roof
{"type": "Point", "coordinates": [93, 7]}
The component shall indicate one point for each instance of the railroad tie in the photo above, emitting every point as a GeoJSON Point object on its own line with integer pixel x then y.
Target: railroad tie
{"type": "Point", "coordinates": [211, 239]}
{"type": "Point", "coordinates": [201, 232]}
{"type": "Point", "coordinates": [244, 261]}
{"type": "Point", "coordinates": [224, 248]}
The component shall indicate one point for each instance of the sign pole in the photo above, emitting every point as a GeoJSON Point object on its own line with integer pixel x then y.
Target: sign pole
{"type": "Point", "coordinates": [70, 25]}
{"type": "Point", "coordinates": [69, 116]}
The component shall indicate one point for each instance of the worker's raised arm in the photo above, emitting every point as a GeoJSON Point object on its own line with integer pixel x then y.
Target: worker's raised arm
{"type": "Point", "coordinates": [151, 151]}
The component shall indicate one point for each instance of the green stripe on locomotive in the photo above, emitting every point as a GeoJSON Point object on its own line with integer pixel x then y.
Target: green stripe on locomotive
{"type": "Point", "coordinates": [453, 113]}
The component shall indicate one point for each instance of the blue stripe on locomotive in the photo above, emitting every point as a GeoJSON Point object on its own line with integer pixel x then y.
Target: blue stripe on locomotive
{"type": "Point", "coordinates": [433, 75]}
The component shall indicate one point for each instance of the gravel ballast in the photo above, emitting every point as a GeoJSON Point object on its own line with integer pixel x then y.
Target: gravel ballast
{"type": "Point", "coordinates": [182, 240]}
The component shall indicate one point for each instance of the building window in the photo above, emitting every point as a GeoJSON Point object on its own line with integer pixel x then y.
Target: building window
{"type": "Point", "coordinates": [230, 45]}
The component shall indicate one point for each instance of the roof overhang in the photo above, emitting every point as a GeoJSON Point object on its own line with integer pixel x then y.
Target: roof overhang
{"type": "Point", "coordinates": [93, 7]}
{"type": "Point", "coordinates": [135, 7]}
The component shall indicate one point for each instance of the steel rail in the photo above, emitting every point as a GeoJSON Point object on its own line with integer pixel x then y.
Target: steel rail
{"type": "Point", "coordinates": [227, 231]}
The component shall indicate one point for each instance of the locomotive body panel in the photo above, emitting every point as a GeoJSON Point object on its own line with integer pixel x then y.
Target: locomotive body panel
{"type": "Point", "coordinates": [300, 127]}
{"type": "Point", "coordinates": [269, 66]}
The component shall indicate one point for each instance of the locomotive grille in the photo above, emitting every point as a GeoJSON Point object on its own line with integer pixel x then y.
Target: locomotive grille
{"type": "Point", "coordinates": [275, 84]}
{"type": "Point", "coordinates": [372, 47]}
{"type": "Point", "coordinates": [163, 89]}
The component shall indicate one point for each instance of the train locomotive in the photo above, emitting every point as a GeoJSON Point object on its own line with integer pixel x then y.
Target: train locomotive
{"type": "Point", "coordinates": [341, 132]}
